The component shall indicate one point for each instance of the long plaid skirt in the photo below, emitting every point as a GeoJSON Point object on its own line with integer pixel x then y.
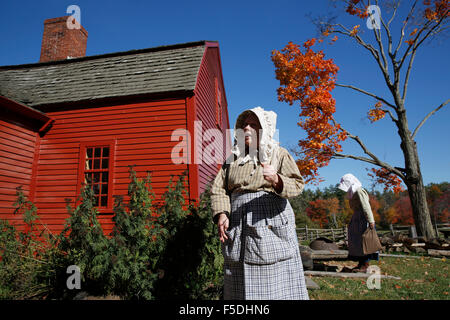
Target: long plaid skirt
{"type": "Point", "coordinates": [262, 256]}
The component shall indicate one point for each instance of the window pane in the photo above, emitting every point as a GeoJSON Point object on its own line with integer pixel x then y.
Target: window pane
{"type": "Point", "coordinates": [105, 177]}
{"type": "Point", "coordinates": [96, 163]}
{"type": "Point", "coordinates": [88, 164]}
{"type": "Point", "coordinates": [104, 188]}
{"type": "Point", "coordinates": [105, 163]}
{"type": "Point", "coordinates": [95, 201]}
{"type": "Point", "coordinates": [89, 153]}
{"type": "Point", "coordinates": [88, 178]}
{"type": "Point", "coordinates": [96, 177]}
{"type": "Point", "coordinates": [97, 152]}
{"type": "Point", "coordinates": [104, 201]}
{"type": "Point", "coordinates": [105, 152]}
{"type": "Point", "coordinates": [96, 189]}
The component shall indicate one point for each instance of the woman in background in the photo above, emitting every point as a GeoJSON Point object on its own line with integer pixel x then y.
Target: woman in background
{"type": "Point", "coordinates": [361, 219]}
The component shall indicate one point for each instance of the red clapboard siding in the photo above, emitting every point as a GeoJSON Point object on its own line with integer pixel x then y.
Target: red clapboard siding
{"type": "Point", "coordinates": [142, 136]}
{"type": "Point", "coordinates": [205, 97]}
{"type": "Point", "coordinates": [17, 146]}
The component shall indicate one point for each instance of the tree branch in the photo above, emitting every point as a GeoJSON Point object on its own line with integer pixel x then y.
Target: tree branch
{"type": "Point", "coordinates": [388, 31]}
{"type": "Point", "coordinates": [375, 158]}
{"type": "Point", "coordinates": [369, 47]}
{"type": "Point", "coordinates": [394, 170]}
{"type": "Point", "coordinates": [391, 115]}
{"type": "Point", "coordinates": [402, 34]}
{"type": "Point", "coordinates": [415, 45]}
{"type": "Point", "coordinates": [428, 115]}
{"type": "Point", "coordinates": [380, 45]}
{"type": "Point", "coordinates": [367, 93]}
{"type": "Point", "coordinates": [349, 156]}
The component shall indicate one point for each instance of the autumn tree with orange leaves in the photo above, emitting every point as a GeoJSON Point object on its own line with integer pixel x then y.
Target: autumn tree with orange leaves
{"type": "Point", "coordinates": [308, 78]}
{"type": "Point", "coordinates": [323, 211]}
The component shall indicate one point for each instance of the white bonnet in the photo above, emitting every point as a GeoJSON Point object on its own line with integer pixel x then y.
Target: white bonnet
{"type": "Point", "coordinates": [349, 183]}
{"type": "Point", "coordinates": [267, 144]}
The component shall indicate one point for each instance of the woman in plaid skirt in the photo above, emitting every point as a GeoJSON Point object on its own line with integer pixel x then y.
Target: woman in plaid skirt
{"type": "Point", "coordinates": [255, 220]}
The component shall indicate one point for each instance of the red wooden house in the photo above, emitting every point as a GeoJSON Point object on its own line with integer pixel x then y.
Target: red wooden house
{"type": "Point", "coordinates": [71, 119]}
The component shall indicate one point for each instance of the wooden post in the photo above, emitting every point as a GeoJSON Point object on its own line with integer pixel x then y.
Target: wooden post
{"type": "Point", "coordinates": [391, 227]}
{"type": "Point", "coordinates": [306, 232]}
{"type": "Point", "coordinates": [413, 232]}
{"type": "Point", "coordinates": [332, 233]}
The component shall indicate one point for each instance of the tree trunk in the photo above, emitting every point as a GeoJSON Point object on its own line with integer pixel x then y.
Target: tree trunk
{"type": "Point", "coordinates": [420, 210]}
{"type": "Point", "coordinates": [414, 180]}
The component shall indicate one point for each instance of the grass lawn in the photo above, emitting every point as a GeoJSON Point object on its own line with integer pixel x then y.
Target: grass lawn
{"type": "Point", "coordinates": [423, 278]}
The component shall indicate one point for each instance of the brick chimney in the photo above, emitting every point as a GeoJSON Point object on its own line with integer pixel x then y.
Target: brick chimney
{"type": "Point", "coordinates": [60, 42]}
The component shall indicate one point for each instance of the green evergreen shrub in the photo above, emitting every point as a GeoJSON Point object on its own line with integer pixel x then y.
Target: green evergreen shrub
{"type": "Point", "coordinates": [82, 243]}
{"type": "Point", "coordinates": [165, 251]}
{"type": "Point", "coordinates": [137, 242]}
{"type": "Point", "coordinates": [192, 262]}
{"type": "Point", "coordinates": [22, 254]}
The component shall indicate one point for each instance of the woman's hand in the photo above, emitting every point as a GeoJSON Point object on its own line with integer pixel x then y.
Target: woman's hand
{"type": "Point", "coordinates": [371, 225]}
{"type": "Point", "coordinates": [270, 174]}
{"type": "Point", "coordinates": [223, 224]}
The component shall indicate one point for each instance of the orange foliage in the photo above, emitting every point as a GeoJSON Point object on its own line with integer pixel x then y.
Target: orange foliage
{"type": "Point", "coordinates": [346, 212]}
{"type": "Point", "coordinates": [334, 39]}
{"type": "Point", "coordinates": [354, 30]}
{"type": "Point", "coordinates": [388, 179]}
{"type": "Point", "coordinates": [438, 203]}
{"type": "Point", "coordinates": [377, 113]}
{"type": "Point", "coordinates": [320, 210]}
{"type": "Point", "coordinates": [403, 211]}
{"type": "Point", "coordinates": [309, 78]}
{"type": "Point", "coordinates": [352, 9]}
{"type": "Point", "coordinates": [440, 10]}
{"type": "Point", "coordinates": [390, 216]}
{"type": "Point", "coordinates": [375, 206]}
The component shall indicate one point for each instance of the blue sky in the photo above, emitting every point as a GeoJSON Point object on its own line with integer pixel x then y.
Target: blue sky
{"type": "Point", "coordinates": [247, 32]}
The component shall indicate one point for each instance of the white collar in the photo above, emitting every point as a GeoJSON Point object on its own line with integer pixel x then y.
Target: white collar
{"type": "Point", "coordinates": [249, 157]}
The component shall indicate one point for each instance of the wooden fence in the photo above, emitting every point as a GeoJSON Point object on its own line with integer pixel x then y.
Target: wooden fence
{"type": "Point", "coordinates": [308, 234]}
{"type": "Point", "coordinates": [332, 234]}
{"type": "Point", "coordinates": [441, 228]}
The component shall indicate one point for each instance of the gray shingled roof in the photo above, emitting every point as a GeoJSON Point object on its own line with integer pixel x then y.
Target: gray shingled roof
{"type": "Point", "coordinates": [146, 71]}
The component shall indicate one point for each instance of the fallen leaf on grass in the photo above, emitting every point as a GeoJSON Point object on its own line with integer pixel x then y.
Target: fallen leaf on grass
{"type": "Point", "coordinates": [446, 293]}
{"type": "Point", "coordinates": [397, 286]}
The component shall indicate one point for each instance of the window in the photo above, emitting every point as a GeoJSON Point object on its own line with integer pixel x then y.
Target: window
{"type": "Point", "coordinates": [96, 168]}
